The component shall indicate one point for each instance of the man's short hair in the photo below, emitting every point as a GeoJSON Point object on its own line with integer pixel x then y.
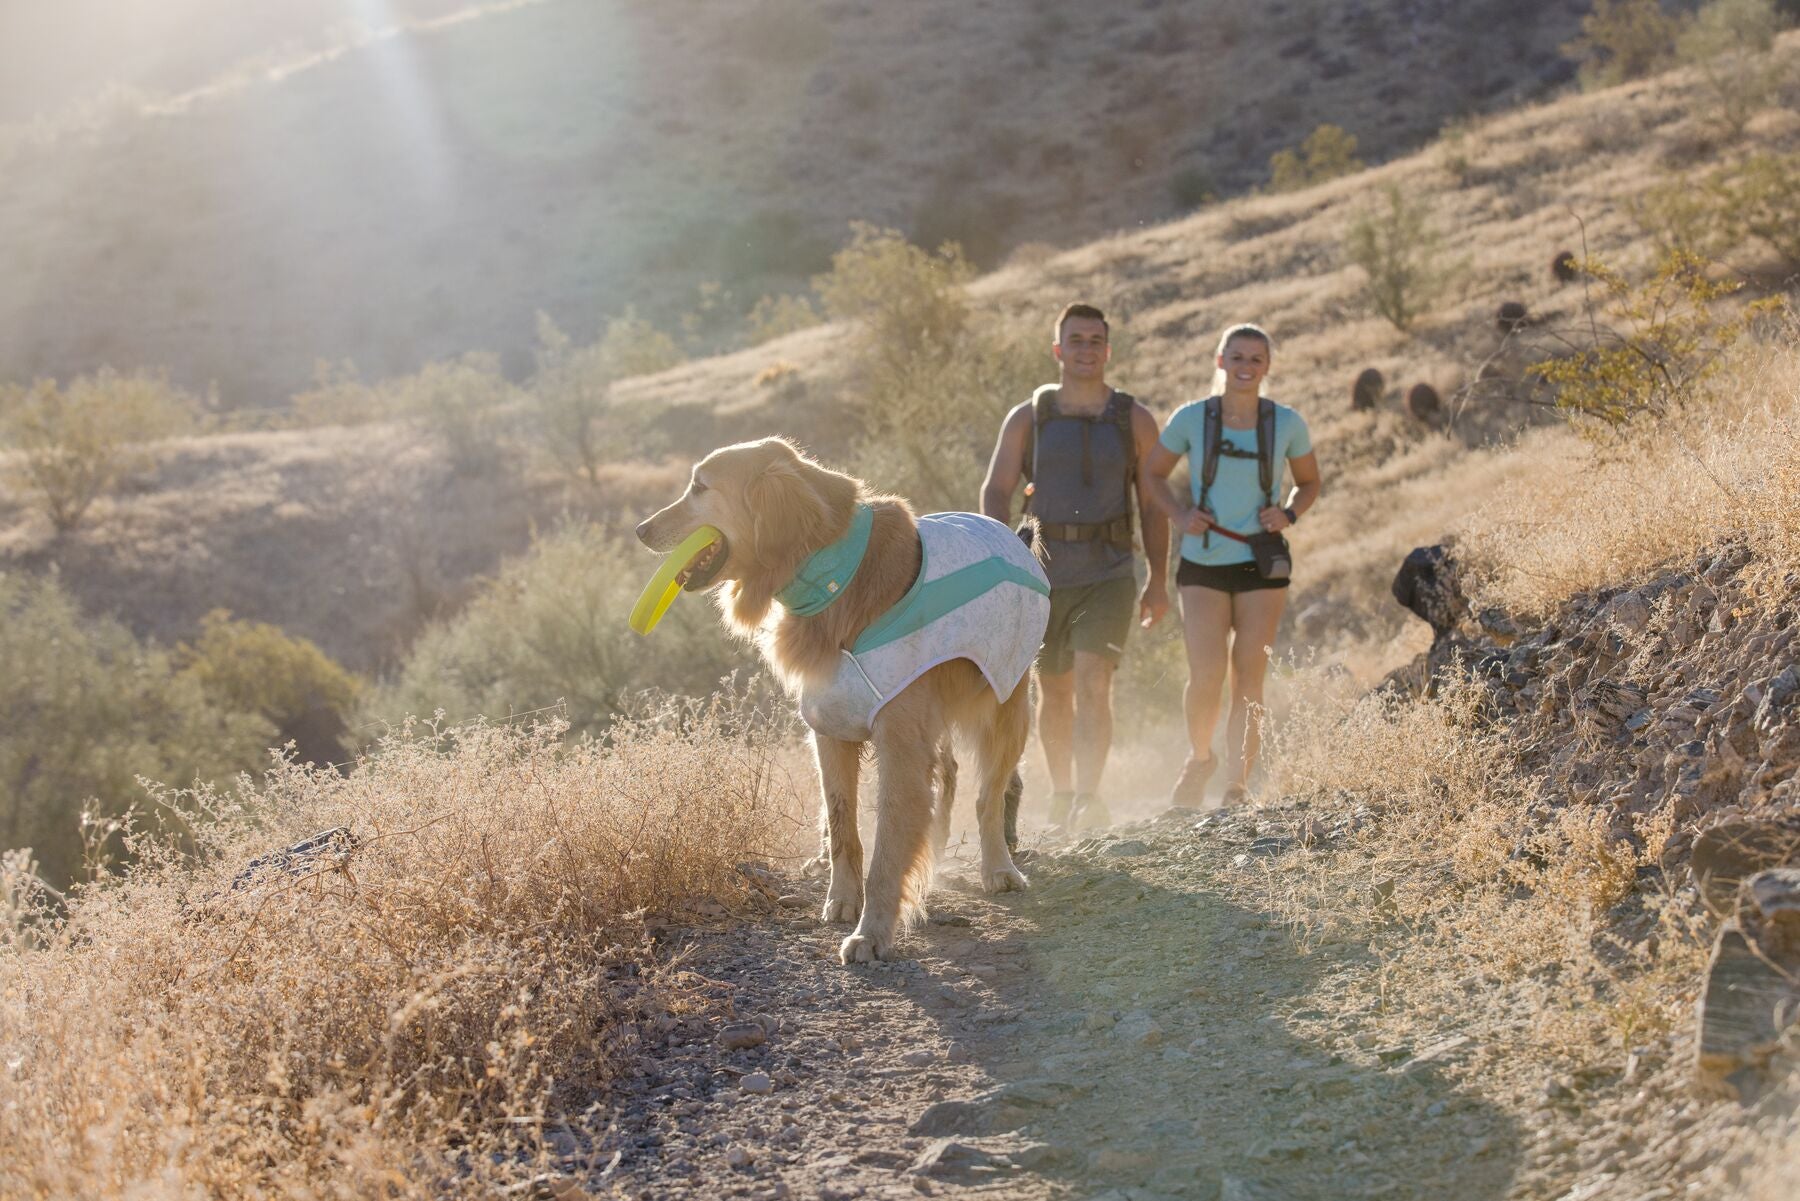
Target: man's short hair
{"type": "Point", "coordinates": [1078, 309]}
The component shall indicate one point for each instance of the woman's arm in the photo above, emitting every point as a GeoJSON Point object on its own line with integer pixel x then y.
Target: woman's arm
{"type": "Point", "coordinates": [1306, 490]}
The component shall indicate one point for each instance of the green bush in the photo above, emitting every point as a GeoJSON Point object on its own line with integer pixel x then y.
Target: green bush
{"type": "Point", "coordinates": [74, 444]}
{"type": "Point", "coordinates": [86, 709]}
{"type": "Point", "coordinates": [256, 668]}
{"type": "Point", "coordinates": [1651, 346]}
{"type": "Point", "coordinates": [461, 402]}
{"type": "Point", "coordinates": [571, 391]}
{"type": "Point", "coordinates": [1623, 39]}
{"type": "Point", "coordinates": [776, 316]}
{"type": "Point", "coordinates": [1401, 253]}
{"type": "Point", "coordinates": [552, 629]}
{"type": "Point", "coordinates": [1756, 200]}
{"type": "Point", "coordinates": [1729, 43]}
{"type": "Point", "coordinates": [1192, 187]}
{"type": "Point", "coordinates": [904, 298]}
{"type": "Point", "coordinates": [1327, 153]}
{"type": "Point", "coordinates": [930, 420]}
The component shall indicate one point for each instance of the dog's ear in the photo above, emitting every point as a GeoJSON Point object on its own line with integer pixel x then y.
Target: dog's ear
{"type": "Point", "coordinates": [787, 517]}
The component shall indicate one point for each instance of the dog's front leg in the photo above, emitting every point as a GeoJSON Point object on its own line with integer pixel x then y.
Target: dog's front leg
{"type": "Point", "coordinates": [838, 766]}
{"type": "Point", "coordinates": [900, 860]}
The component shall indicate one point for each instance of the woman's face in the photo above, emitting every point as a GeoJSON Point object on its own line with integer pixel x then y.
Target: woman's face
{"type": "Point", "coordinates": [1245, 361]}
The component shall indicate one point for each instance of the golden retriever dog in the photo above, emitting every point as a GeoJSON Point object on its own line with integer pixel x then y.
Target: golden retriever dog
{"type": "Point", "coordinates": [775, 508]}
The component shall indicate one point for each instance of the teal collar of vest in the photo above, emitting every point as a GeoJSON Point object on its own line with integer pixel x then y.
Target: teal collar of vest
{"type": "Point", "coordinates": [829, 570]}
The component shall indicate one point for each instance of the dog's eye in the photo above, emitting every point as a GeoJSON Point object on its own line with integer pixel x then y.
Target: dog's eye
{"type": "Point", "coordinates": [696, 487]}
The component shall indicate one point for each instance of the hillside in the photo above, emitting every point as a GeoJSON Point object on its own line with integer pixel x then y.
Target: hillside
{"type": "Point", "coordinates": [1510, 192]}
{"type": "Point", "coordinates": [322, 196]}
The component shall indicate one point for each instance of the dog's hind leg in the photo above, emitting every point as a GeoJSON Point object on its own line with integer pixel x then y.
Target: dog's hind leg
{"type": "Point", "coordinates": [999, 745]}
{"type": "Point", "coordinates": [839, 763]}
{"type": "Point", "coordinates": [945, 800]}
{"type": "Point", "coordinates": [907, 733]}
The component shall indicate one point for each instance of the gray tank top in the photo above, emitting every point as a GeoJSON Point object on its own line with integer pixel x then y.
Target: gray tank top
{"type": "Point", "coordinates": [1078, 474]}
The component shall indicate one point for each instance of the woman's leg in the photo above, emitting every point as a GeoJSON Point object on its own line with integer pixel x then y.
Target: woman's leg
{"type": "Point", "coordinates": [1254, 619]}
{"type": "Point", "coordinates": [1205, 622]}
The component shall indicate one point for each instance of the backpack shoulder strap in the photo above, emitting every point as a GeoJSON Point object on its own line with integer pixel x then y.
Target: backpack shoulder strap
{"type": "Point", "coordinates": [1265, 446]}
{"type": "Point", "coordinates": [1211, 430]}
{"type": "Point", "coordinates": [1043, 408]}
{"type": "Point", "coordinates": [1122, 405]}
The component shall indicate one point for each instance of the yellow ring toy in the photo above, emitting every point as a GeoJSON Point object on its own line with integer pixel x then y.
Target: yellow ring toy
{"type": "Point", "coordinates": [663, 587]}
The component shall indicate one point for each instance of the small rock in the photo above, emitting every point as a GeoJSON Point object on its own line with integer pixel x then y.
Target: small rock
{"type": "Point", "coordinates": [739, 1157]}
{"type": "Point", "coordinates": [793, 900]}
{"type": "Point", "coordinates": [949, 919]}
{"type": "Point", "coordinates": [1127, 848]}
{"type": "Point", "coordinates": [1139, 1029]}
{"type": "Point", "coordinates": [947, 1157]}
{"type": "Point", "coordinates": [740, 1036]}
{"type": "Point", "coordinates": [918, 1059]}
{"type": "Point", "coordinates": [757, 1083]}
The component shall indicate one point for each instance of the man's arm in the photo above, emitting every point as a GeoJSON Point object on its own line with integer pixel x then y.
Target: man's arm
{"type": "Point", "coordinates": [1007, 465]}
{"type": "Point", "coordinates": [1151, 516]}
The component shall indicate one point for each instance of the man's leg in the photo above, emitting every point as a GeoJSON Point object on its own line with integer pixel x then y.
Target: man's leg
{"type": "Point", "coordinates": [1094, 719]}
{"type": "Point", "coordinates": [1056, 728]}
{"type": "Point", "coordinates": [1255, 616]}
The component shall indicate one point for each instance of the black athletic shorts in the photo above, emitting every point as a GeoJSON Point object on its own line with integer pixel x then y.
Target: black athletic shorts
{"type": "Point", "coordinates": [1231, 577]}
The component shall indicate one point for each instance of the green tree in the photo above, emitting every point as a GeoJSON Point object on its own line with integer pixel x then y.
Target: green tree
{"type": "Point", "coordinates": [1401, 254]}
{"type": "Point", "coordinates": [74, 444]}
{"type": "Point", "coordinates": [1623, 39]}
{"type": "Point", "coordinates": [85, 709]}
{"type": "Point", "coordinates": [1327, 153]}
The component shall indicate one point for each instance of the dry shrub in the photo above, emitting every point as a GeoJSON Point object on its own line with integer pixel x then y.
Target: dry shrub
{"type": "Point", "coordinates": [1720, 464]}
{"type": "Point", "coordinates": [403, 1021]}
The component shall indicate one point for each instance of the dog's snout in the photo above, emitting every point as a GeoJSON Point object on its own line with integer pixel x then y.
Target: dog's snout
{"type": "Point", "coordinates": [643, 530]}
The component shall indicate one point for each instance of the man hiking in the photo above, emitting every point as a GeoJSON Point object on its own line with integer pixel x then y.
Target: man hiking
{"type": "Point", "coordinates": [1081, 444]}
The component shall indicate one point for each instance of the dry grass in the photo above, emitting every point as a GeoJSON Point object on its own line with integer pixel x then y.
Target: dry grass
{"type": "Point", "coordinates": [1531, 934]}
{"type": "Point", "coordinates": [1727, 465]}
{"type": "Point", "coordinates": [405, 1023]}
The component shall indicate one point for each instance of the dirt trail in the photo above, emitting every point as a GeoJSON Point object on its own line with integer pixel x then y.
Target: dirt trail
{"type": "Point", "coordinates": [1123, 1030]}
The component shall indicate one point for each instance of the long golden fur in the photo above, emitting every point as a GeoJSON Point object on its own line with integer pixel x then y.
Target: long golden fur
{"type": "Point", "coordinates": [776, 507]}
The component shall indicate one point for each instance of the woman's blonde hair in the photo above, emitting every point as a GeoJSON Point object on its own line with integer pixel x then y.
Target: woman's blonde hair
{"type": "Point", "coordinates": [1246, 330]}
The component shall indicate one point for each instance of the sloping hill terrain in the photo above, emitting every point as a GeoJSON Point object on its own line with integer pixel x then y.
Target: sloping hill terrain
{"type": "Point", "coordinates": [1511, 193]}
{"type": "Point", "coordinates": [418, 196]}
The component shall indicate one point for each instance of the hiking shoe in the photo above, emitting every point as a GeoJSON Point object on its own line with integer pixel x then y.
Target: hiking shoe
{"type": "Point", "coordinates": [1089, 812]}
{"type": "Point", "coordinates": [1235, 794]}
{"type": "Point", "coordinates": [1190, 786]}
{"type": "Point", "coordinates": [1060, 802]}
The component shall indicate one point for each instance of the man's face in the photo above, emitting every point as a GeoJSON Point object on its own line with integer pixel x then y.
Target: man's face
{"type": "Point", "coordinates": [1083, 349]}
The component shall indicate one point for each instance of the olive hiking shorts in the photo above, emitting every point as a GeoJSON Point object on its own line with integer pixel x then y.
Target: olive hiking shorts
{"type": "Point", "coordinates": [1088, 617]}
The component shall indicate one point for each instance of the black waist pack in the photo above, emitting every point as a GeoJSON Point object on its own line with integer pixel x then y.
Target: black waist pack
{"type": "Point", "coordinates": [1273, 560]}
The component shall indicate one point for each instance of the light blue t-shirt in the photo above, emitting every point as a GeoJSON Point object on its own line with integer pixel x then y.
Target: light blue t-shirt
{"type": "Point", "coordinates": [1237, 495]}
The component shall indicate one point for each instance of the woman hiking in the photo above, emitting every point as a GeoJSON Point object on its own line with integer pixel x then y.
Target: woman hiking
{"type": "Point", "coordinates": [1233, 570]}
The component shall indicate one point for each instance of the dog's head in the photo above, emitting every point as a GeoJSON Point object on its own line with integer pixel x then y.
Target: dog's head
{"type": "Point", "coordinates": [774, 507]}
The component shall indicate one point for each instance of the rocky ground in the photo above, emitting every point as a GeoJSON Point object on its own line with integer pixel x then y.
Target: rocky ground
{"type": "Point", "coordinates": [1133, 1027]}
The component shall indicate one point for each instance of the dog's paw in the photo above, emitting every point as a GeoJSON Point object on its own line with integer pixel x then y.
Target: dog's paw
{"type": "Point", "coordinates": [862, 948]}
{"type": "Point", "coordinates": [841, 909]}
{"type": "Point", "coordinates": [1005, 879]}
